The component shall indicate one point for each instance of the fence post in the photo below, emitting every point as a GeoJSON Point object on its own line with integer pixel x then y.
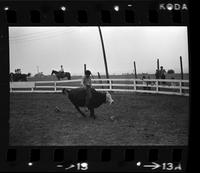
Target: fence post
{"type": "Point", "coordinates": [55, 86]}
{"type": "Point", "coordinates": [157, 86]}
{"type": "Point", "coordinates": [110, 82]}
{"type": "Point", "coordinates": [32, 89]}
{"type": "Point", "coordinates": [134, 84]}
{"type": "Point", "coordinates": [180, 84]}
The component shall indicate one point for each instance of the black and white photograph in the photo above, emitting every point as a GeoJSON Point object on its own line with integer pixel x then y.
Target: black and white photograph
{"type": "Point", "coordinates": [99, 86]}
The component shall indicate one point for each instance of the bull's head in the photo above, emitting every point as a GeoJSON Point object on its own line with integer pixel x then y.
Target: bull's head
{"type": "Point", "coordinates": [109, 98]}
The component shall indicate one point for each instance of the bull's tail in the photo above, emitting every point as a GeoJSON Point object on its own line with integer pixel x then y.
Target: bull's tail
{"type": "Point", "coordinates": [65, 91]}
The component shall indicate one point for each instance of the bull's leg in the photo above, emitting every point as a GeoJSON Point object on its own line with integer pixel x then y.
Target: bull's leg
{"type": "Point", "coordinates": [80, 111]}
{"type": "Point", "coordinates": [92, 113]}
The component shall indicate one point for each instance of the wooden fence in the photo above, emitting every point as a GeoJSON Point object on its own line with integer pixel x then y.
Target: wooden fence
{"type": "Point", "coordinates": [160, 86]}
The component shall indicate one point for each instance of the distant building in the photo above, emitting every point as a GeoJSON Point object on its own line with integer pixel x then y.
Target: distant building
{"type": "Point", "coordinates": [18, 71]}
{"type": "Point", "coordinates": [40, 74]}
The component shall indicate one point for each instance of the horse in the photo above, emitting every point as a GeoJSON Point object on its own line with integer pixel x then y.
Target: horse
{"type": "Point", "coordinates": [61, 75]}
{"type": "Point", "coordinates": [18, 77]}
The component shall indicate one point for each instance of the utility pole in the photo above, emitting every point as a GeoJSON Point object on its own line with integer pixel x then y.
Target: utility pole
{"type": "Point", "coordinates": [104, 53]}
{"type": "Point", "coordinates": [158, 65]}
{"type": "Point", "coordinates": [84, 68]}
{"type": "Point", "coordinates": [181, 64]}
{"type": "Point", "coordinates": [135, 70]}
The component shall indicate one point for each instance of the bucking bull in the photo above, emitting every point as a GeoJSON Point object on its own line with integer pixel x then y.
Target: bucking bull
{"type": "Point", "coordinates": [77, 97]}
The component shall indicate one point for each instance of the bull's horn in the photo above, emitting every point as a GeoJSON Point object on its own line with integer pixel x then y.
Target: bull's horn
{"type": "Point", "coordinates": [64, 91]}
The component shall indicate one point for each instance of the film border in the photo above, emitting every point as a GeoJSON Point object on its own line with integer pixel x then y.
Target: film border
{"type": "Point", "coordinates": [82, 13]}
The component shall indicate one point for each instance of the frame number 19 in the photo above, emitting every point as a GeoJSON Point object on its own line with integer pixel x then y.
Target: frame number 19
{"type": "Point", "coordinates": [82, 166]}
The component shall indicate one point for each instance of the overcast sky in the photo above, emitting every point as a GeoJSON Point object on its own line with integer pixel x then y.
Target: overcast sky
{"type": "Point", "coordinates": [72, 47]}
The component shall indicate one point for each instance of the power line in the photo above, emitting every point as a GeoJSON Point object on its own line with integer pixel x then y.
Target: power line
{"type": "Point", "coordinates": [31, 34]}
{"type": "Point", "coordinates": [35, 37]}
{"type": "Point", "coordinates": [27, 34]}
{"type": "Point", "coordinates": [38, 38]}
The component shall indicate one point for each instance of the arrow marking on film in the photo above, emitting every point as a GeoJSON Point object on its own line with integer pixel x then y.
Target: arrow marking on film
{"type": "Point", "coordinates": [71, 166]}
{"type": "Point", "coordinates": [153, 166]}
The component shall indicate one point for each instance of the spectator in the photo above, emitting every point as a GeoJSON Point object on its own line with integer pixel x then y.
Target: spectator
{"type": "Point", "coordinates": [157, 74]}
{"type": "Point", "coordinates": [162, 72]}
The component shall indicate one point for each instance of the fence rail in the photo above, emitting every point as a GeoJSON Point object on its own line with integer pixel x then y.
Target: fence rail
{"type": "Point", "coordinates": [160, 86]}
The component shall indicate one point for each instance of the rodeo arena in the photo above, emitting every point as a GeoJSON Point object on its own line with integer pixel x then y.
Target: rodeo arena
{"type": "Point", "coordinates": [145, 111]}
{"type": "Point", "coordinates": [130, 109]}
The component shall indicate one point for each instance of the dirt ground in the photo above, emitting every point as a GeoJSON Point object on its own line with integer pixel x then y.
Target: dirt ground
{"type": "Point", "coordinates": [134, 119]}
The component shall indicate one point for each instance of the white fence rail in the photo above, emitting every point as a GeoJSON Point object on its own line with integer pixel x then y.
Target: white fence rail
{"type": "Point", "coordinates": [160, 86]}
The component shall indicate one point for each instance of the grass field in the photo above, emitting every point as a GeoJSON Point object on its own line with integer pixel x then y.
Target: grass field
{"type": "Point", "coordinates": [140, 119]}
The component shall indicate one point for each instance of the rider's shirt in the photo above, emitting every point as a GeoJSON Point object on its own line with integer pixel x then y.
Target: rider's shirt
{"type": "Point", "coordinates": [86, 82]}
{"type": "Point", "coordinates": [162, 72]}
{"type": "Point", "coordinates": [61, 70]}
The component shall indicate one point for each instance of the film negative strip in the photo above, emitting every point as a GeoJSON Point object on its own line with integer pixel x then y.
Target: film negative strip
{"type": "Point", "coordinates": [62, 60]}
